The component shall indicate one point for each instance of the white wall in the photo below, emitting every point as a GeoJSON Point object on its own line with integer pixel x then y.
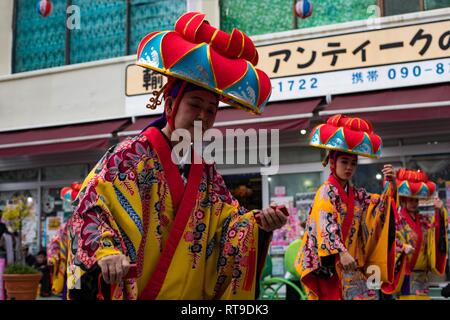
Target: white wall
{"type": "Point", "coordinates": [6, 17]}
{"type": "Point", "coordinates": [209, 7]}
{"type": "Point", "coordinates": [70, 94]}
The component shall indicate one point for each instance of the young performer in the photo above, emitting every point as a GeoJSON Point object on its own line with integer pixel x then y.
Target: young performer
{"type": "Point", "coordinates": [422, 242]}
{"type": "Point", "coordinates": [57, 249]}
{"type": "Point", "coordinates": [347, 232]}
{"type": "Point", "coordinates": [177, 223]}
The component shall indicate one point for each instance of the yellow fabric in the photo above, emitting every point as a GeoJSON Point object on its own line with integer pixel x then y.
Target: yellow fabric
{"type": "Point", "coordinates": [414, 297]}
{"type": "Point", "coordinates": [57, 259]}
{"type": "Point", "coordinates": [426, 260]}
{"type": "Point", "coordinates": [376, 248]}
{"type": "Point", "coordinates": [112, 211]}
{"type": "Point", "coordinates": [189, 285]}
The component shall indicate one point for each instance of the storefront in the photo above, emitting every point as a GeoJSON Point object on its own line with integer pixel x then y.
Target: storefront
{"type": "Point", "coordinates": [42, 188]}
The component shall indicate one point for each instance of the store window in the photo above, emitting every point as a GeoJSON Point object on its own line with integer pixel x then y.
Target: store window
{"type": "Point", "coordinates": [296, 191]}
{"type": "Point", "coordinates": [246, 188]}
{"type": "Point", "coordinates": [53, 214]}
{"type": "Point", "coordinates": [370, 176]}
{"type": "Point", "coordinates": [427, 140]}
{"type": "Point", "coordinates": [49, 211]}
{"type": "Point", "coordinates": [70, 172]}
{"type": "Point", "coordinates": [299, 154]}
{"type": "Point", "coordinates": [29, 230]}
{"type": "Point", "coordinates": [25, 175]}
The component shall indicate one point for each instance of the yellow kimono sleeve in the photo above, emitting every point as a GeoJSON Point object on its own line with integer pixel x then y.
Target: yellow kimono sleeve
{"type": "Point", "coordinates": [378, 221]}
{"type": "Point", "coordinates": [94, 234]}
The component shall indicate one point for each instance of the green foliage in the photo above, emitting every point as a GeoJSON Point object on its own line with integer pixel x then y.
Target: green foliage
{"type": "Point", "coordinates": [18, 268]}
{"type": "Point", "coordinates": [16, 212]}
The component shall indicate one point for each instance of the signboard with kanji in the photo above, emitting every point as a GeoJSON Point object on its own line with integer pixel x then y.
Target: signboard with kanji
{"type": "Point", "coordinates": [357, 50]}
{"type": "Point", "coordinates": [139, 85]}
{"type": "Point", "coordinates": [142, 81]}
{"type": "Point", "coordinates": [362, 61]}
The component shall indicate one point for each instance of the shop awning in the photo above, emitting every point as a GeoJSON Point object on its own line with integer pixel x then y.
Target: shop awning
{"type": "Point", "coordinates": [407, 104]}
{"type": "Point", "coordinates": [285, 116]}
{"type": "Point", "coordinates": [139, 124]}
{"type": "Point", "coordinates": [77, 137]}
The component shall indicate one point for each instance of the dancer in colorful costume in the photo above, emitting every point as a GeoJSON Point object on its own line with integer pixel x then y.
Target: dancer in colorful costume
{"type": "Point", "coordinates": [422, 243]}
{"type": "Point", "coordinates": [177, 223]}
{"type": "Point", "coordinates": [57, 259]}
{"type": "Point", "coordinates": [57, 249]}
{"type": "Point", "coordinates": [350, 232]}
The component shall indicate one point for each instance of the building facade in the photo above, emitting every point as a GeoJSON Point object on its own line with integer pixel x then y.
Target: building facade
{"type": "Point", "coordinates": [69, 90]}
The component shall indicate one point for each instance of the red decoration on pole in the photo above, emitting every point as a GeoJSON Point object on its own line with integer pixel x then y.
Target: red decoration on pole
{"type": "Point", "coordinates": [303, 9]}
{"type": "Point", "coordinates": [44, 8]}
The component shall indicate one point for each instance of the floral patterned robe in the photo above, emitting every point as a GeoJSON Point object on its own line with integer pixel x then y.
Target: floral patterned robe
{"type": "Point", "coordinates": [427, 234]}
{"type": "Point", "coordinates": [189, 241]}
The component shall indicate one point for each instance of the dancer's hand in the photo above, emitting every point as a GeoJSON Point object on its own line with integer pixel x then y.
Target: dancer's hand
{"type": "Point", "coordinates": [388, 172]}
{"type": "Point", "coordinates": [269, 219]}
{"type": "Point", "coordinates": [347, 261]}
{"type": "Point", "coordinates": [114, 268]}
{"type": "Point", "coordinates": [408, 249]}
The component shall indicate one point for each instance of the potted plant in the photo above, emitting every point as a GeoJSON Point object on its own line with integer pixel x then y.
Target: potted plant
{"type": "Point", "coordinates": [21, 281]}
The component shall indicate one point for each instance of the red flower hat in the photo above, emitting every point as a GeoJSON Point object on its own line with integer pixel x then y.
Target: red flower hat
{"type": "Point", "coordinates": [351, 135]}
{"type": "Point", "coordinates": [414, 184]}
{"type": "Point", "coordinates": [208, 57]}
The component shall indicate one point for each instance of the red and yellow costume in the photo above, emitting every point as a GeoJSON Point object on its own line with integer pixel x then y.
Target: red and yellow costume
{"type": "Point", "coordinates": [57, 249]}
{"type": "Point", "coordinates": [346, 219]}
{"type": "Point", "coordinates": [189, 239]}
{"type": "Point", "coordinates": [425, 233]}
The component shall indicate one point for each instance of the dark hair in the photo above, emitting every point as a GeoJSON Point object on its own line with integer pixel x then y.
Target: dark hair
{"type": "Point", "coordinates": [174, 87]}
{"type": "Point", "coordinates": [335, 154]}
{"type": "Point", "coordinates": [43, 252]}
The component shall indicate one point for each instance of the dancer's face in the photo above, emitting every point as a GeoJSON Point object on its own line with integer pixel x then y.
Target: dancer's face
{"type": "Point", "coordinates": [198, 105]}
{"type": "Point", "coordinates": [410, 204]}
{"type": "Point", "coordinates": [345, 166]}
